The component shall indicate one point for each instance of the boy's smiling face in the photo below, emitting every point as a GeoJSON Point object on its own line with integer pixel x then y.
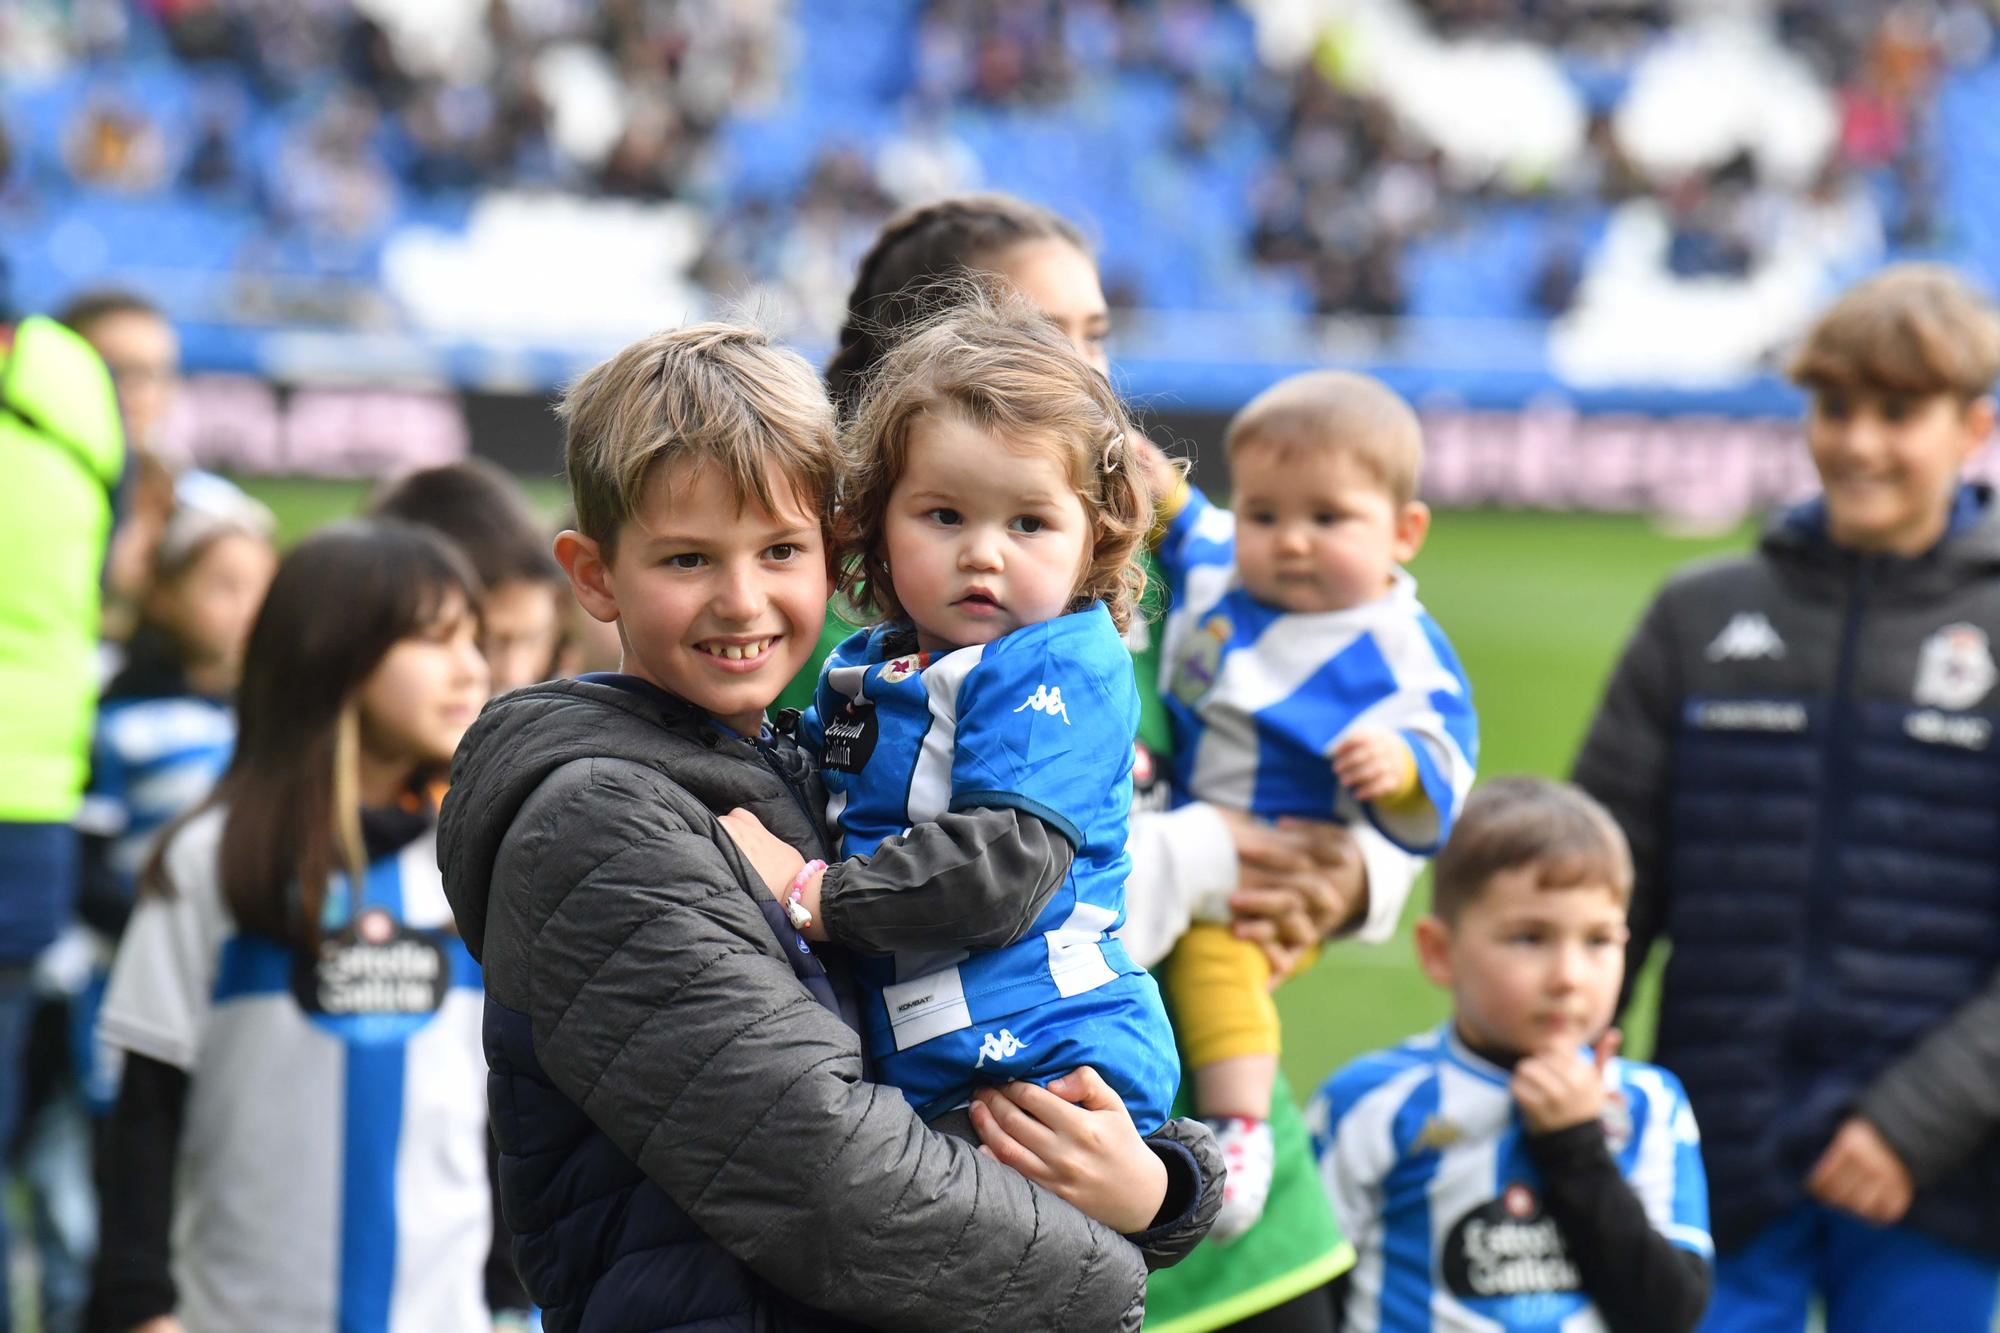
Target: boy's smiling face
{"type": "Point", "coordinates": [718, 599]}
{"type": "Point", "coordinates": [1889, 463]}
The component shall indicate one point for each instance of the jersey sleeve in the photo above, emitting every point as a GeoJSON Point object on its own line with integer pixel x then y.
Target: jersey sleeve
{"type": "Point", "coordinates": [1045, 725]}
{"type": "Point", "coordinates": [1431, 709]}
{"type": "Point", "coordinates": [163, 978]}
{"type": "Point", "coordinates": [1201, 536]}
{"type": "Point", "coordinates": [1667, 1171]}
{"type": "Point", "coordinates": [1353, 1123]}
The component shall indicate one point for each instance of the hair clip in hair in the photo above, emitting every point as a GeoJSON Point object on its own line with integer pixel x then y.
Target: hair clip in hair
{"type": "Point", "coordinates": [1111, 449]}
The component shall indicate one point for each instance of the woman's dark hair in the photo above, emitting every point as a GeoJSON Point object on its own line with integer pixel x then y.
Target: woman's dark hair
{"type": "Point", "coordinates": [906, 276]}
{"type": "Point", "coordinates": [341, 600]}
{"type": "Point", "coordinates": [482, 510]}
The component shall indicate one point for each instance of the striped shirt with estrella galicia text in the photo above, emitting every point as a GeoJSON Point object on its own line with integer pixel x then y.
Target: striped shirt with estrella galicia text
{"type": "Point", "coordinates": [1422, 1154]}
{"type": "Point", "coordinates": [332, 1166]}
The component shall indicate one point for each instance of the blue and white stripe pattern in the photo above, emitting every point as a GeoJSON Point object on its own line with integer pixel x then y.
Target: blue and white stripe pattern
{"type": "Point", "coordinates": [152, 759]}
{"type": "Point", "coordinates": [332, 1171]}
{"type": "Point", "coordinates": [1259, 696]}
{"type": "Point", "coordinates": [1420, 1148]}
{"type": "Point", "coordinates": [1041, 720]}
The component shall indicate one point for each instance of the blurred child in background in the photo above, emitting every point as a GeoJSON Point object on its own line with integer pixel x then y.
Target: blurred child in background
{"type": "Point", "coordinates": [1304, 681]}
{"type": "Point", "coordinates": [143, 354]}
{"type": "Point", "coordinates": [489, 517]}
{"type": "Point", "coordinates": [1799, 744]}
{"type": "Point", "coordinates": [164, 730]}
{"type": "Point", "coordinates": [300, 1139]}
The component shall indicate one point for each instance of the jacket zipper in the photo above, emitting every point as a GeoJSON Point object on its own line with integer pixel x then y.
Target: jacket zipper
{"type": "Point", "coordinates": [1836, 760]}
{"type": "Point", "coordinates": [816, 819]}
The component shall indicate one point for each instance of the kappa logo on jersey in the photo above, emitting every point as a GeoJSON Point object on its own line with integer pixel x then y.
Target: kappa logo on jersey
{"type": "Point", "coordinates": [1437, 1134]}
{"type": "Point", "coordinates": [1047, 699]}
{"type": "Point", "coordinates": [1955, 668]}
{"type": "Point", "coordinates": [902, 668]}
{"type": "Point", "coordinates": [997, 1046]}
{"type": "Point", "coordinates": [1748, 637]}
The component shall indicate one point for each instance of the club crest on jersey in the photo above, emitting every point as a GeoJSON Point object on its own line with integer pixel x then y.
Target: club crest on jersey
{"type": "Point", "coordinates": [1955, 668]}
{"type": "Point", "coordinates": [1200, 662]}
{"type": "Point", "coordinates": [1617, 1121]}
{"type": "Point", "coordinates": [902, 668]}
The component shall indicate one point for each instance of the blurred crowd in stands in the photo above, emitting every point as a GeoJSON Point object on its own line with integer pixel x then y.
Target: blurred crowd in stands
{"type": "Point", "coordinates": [1339, 157]}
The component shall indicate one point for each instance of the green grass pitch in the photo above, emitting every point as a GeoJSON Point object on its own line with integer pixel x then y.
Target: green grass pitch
{"type": "Point", "coordinates": [1537, 605]}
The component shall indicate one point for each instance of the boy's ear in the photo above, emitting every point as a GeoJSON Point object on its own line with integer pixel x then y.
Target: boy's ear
{"type": "Point", "coordinates": [1413, 524]}
{"type": "Point", "coordinates": [1979, 417]}
{"type": "Point", "coordinates": [1434, 950]}
{"type": "Point", "coordinates": [589, 574]}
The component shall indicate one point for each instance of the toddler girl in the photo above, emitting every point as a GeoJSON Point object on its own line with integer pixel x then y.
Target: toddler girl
{"type": "Point", "coordinates": [990, 527]}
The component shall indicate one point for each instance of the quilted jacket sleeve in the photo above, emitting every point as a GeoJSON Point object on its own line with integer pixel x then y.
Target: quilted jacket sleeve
{"type": "Point", "coordinates": [976, 879]}
{"type": "Point", "coordinates": [1624, 763]}
{"type": "Point", "coordinates": [1937, 1104]}
{"type": "Point", "coordinates": [662, 1007]}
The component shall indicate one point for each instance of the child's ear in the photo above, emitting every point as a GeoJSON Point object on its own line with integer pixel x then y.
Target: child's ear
{"type": "Point", "coordinates": [1413, 524]}
{"type": "Point", "coordinates": [1979, 415]}
{"type": "Point", "coordinates": [1434, 950]}
{"type": "Point", "coordinates": [589, 574]}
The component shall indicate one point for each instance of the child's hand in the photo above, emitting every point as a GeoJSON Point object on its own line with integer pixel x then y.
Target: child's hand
{"type": "Point", "coordinates": [1861, 1173]}
{"type": "Point", "coordinates": [1560, 1089]}
{"type": "Point", "coordinates": [1087, 1154]}
{"type": "Point", "coordinates": [776, 861]}
{"type": "Point", "coordinates": [1374, 764]}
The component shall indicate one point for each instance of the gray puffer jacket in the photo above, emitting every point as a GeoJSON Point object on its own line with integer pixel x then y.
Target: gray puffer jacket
{"type": "Point", "coordinates": [687, 1140]}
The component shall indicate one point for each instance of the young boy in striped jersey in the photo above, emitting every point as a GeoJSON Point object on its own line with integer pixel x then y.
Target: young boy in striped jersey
{"type": "Point", "coordinates": [1507, 1170]}
{"type": "Point", "coordinates": [1304, 680]}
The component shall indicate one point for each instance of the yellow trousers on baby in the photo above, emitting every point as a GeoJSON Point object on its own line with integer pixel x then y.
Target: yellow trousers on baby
{"type": "Point", "coordinates": [1220, 990]}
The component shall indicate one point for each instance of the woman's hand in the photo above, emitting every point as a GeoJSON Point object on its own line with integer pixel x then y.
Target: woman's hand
{"type": "Point", "coordinates": [1298, 881]}
{"type": "Point", "coordinates": [1088, 1154]}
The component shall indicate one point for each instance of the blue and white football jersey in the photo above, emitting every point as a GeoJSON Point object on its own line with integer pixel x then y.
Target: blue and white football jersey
{"type": "Point", "coordinates": [1259, 696]}
{"type": "Point", "coordinates": [1040, 720]}
{"type": "Point", "coordinates": [332, 1165]}
{"type": "Point", "coordinates": [151, 759]}
{"type": "Point", "coordinates": [1420, 1150]}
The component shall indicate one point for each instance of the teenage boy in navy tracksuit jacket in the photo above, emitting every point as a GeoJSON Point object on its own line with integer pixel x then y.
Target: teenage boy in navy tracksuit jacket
{"type": "Point", "coordinates": [1800, 746]}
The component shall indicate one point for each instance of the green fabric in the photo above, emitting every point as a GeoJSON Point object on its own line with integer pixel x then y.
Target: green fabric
{"type": "Point", "coordinates": [1294, 1247]}
{"type": "Point", "coordinates": [1154, 728]}
{"type": "Point", "coordinates": [799, 694]}
{"type": "Point", "coordinates": [63, 450]}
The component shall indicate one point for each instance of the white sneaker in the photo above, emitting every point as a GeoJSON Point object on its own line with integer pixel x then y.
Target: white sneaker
{"type": "Point", "coordinates": [1247, 1153]}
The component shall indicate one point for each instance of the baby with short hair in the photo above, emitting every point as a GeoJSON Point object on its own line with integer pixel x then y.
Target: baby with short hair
{"type": "Point", "coordinates": [1305, 680]}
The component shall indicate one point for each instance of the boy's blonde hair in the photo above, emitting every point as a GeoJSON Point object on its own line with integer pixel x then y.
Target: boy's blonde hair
{"type": "Point", "coordinates": [1917, 329]}
{"type": "Point", "coordinates": [1005, 368]}
{"type": "Point", "coordinates": [1354, 415]}
{"type": "Point", "coordinates": [1509, 823]}
{"type": "Point", "coordinates": [718, 394]}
